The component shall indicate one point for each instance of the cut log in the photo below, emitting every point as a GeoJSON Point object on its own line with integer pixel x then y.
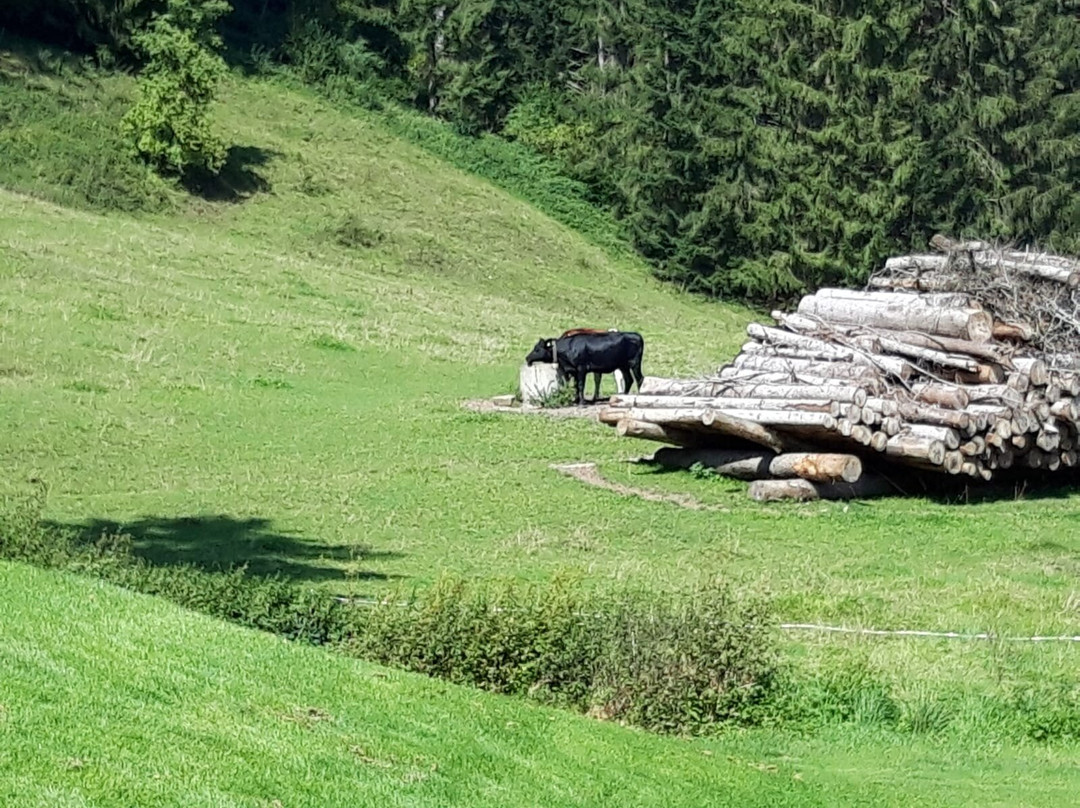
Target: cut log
{"type": "Point", "coordinates": [984, 374]}
{"type": "Point", "coordinates": [874, 344]}
{"type": "Point", "coordinates": [658, 386]}
{"type": "Point", "coordinates": [949, 437]}
{"type": "Point", "coordinates": [869, 485]}
{"type": "Point", "coordinates": [626, 427]}
{"type": "Point", "coordinates": [953, 463]}
{"type": "Point", "coordinates": [994, 393]}
{"type": "Point", "coordinates": [914, 447]}
{"type": "Point", "coordinates": [816, 347]}
{"type": "Point", "coordinates": [1035, 369]}
{"type": "Point", "coordinates": [937, 416]}
{"type": "Point", "coordinates": [944, 299]}
{"type": "Point", "coordinates": [885, 406]}
{"type": "Point", "coordinates": [920, 283]}
{"type": "Point", "coordinates": [974, 447]}
{"type": "Point", "coordinates": [775, 417]}
{"type": "Point", "coordinates": [1021, 332]}
{"type": "Point", "coordinates": [810, 367]}
{"type": "Point", "coordinates": [907, 313]}
{"type": "Point", "coordinates": [942, 395]}
{"type": "Point", "coordinates": [815, 466]}
{"type": "Point", "coordinates": [986, 351]}
{"type": "Point", "coordinates": [710, 421]}
{"type": "Point", "coordinates": [726, 403]}
{"type": "Point", "coordinates": [891, 425]}
{"type": "Point", "coordinates": [846, 393]}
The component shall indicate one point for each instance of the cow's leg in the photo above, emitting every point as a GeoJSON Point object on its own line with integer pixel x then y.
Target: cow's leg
{"type": "Point", "coordinates": [639, 377]}
{"type": "Point", "coordinates": [579, 386]}
{"type": "Point", "coordinates": [627, 379]}
{"type": "Point", "coordinates": [596, 387]}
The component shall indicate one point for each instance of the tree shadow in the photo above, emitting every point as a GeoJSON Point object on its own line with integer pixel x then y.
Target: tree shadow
{"type": "Point", "coordinates": [238, 180]}
{"type": "Point", "coordinates": [220, 543]}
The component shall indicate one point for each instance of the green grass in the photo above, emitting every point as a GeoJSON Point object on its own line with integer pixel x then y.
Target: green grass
{"type": "Point", "coordinates": [272, 374]}
{"type": "Point", "coordinates": [115, 699]}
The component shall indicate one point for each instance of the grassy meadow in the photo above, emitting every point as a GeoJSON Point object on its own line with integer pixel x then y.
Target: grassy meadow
{"type": "Point", "coordinates": [271, 373]}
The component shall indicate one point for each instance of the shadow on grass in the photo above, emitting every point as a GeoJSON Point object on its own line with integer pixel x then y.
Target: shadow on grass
{"type": "Point", "coordinates": [238, 180]}
{"type": "Point", "coordinates": [220, 543]}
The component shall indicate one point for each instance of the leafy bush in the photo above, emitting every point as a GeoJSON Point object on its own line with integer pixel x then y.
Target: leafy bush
{"type": "Point", "coordinates": [663, 663]}
{"type": "Point", "coordinates": [169, 125]}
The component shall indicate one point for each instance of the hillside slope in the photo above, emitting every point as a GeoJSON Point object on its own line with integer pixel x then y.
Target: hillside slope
{"type": "Point", "coordinates": [111, 699]}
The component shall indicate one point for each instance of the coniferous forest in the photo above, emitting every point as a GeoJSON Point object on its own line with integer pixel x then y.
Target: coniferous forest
{"type": "Point", "coordinates": [749, 148]}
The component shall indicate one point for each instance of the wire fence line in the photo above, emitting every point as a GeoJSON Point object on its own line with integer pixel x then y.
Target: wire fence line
{"type": "Point", "coordinates": [827, 629]}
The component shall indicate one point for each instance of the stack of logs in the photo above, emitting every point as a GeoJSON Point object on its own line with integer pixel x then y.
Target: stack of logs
{"type": "Point", "coordinates": [893, 379]}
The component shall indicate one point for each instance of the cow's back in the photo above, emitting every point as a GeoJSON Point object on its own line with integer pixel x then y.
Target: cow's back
{"type": "Point", "coordinates": [604, 352]}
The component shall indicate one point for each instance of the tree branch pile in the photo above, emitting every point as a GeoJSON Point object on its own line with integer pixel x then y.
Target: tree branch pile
{"type": "Point", "coordinates": [963, 363]}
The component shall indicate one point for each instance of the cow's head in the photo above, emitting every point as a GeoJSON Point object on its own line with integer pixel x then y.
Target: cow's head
{"type": "Point", "coordinates": [543, 351]}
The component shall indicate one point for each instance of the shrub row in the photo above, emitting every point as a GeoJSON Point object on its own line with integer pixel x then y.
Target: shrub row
{"type": "Point", "coordinates": [679, 665]}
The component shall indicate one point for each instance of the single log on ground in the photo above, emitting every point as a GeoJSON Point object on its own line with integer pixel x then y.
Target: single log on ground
{"type": "Point", "coordinates": [907, 313]}
{"type": "Point", "coordinates": [816, 466]}
{"type": "Point", "coordinates": [869, 485]}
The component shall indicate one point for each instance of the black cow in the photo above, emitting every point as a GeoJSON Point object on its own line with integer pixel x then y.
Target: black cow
{"type": "Point", "coordinates": [581, 354]}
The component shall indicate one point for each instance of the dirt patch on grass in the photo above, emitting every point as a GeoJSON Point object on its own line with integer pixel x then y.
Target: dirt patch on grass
{"type": "Point", "coordinates": [589, 474]}
{"type": "Point", "coordinates": [486, 405]}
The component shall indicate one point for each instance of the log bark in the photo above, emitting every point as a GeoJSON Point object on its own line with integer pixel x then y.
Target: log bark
{"type": "Point", "coordinates": [869, 485]}
{"type": "Point", "coordinates": [945, 299]}
{"type": "Point", "coordinates": [921, 283]}
{"type": "Point", "coordinates": [815, 466]}
{"type": "Point", "coordinates": [907, 313]}
{"type": "Point", "coordinates": [659, 386]}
